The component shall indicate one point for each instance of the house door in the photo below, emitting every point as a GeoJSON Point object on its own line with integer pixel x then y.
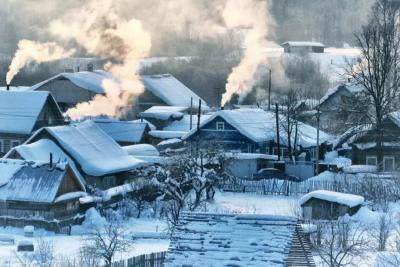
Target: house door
{"type": "Point", "coordinates": [307, 213]}
{"type": "Point", "coordinates": [388, 164]}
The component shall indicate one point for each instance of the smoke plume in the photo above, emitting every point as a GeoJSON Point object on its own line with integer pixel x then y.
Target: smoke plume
{"type": "Point", "coordinates": [31, 51]}
{"type": "Point", "coordinates": [102, 32]}
{"type": "Point", "coordinates": [250, 17]}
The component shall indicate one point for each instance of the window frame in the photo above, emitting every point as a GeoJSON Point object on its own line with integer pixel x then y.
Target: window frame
{"type": "Point", "coordinates": [2, 150]}
{"type": "Point", "coordinates": [371, 157]}
{"type": "Point", "coordinates": [219, 123]}
{"type": "Point", "coordinates": [14, 141]}
{"type": "Point", "coordinates": [384, 163]}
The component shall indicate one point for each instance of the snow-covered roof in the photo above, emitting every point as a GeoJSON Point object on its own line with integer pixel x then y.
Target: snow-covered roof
{"type": "Point", "coordinates": [89, 80]}
{"type": "Point", "coordinates": [40, 151]}
{"type": "Point", "coordinates": [395, 117]}
{"type": "Point", "coordinates": [260, 126]}
{"type": "Point", "coordinates": [171, 91]}
{"type": "Point", "coordinates": [163, 112]}
{"type": "Point", "coordinates": [123, 131]}
{"type": "Point", "coordinates": [351, 135]}
{"type": "Point", "coordinates": [167, 134]}
{"type": "Point", "coordinates": [351, 88]}
{"type": "Point", "coordinates": [349, 200]}
{"type": "Point", "coordinates": [247, 156]}
{"type": "Point", "coordinates": [8, 168]}
{"type": "Point", "coordinates": [19, 110]}
{"type": "Point", "coordinates": [360, 169]}
{"type": "Point", "coordinates": [296, 43]}
{"type": "Point", "coordinates": [34, 183]}
{"type": "Point", "coordinates": [95, 151]}
{"type": "Point", "coordinates": [141, 150]}
{"type": "Point", "coordinates": [206, 239]}
{"type": "Point", "coordinates": [183, 125]}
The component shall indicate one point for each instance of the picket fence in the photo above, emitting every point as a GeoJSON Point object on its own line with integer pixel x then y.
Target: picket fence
{"type": "Point", "coordinates": [146, 260]}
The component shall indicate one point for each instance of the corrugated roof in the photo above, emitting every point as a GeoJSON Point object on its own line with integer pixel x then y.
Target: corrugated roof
{"type": "Point", "coordinates": [206, 239]}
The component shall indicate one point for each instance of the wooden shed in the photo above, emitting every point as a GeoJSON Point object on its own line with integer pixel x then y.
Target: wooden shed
{"type": "Point", "coordinates": [329, 205]}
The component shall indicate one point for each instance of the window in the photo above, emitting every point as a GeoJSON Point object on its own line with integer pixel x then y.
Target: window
{"type": "Point", "coordinates": [2, 146]}
{"type": "Point", "coordinates": [388, 164]}
{"type": "Point", "coordinates": [109, 181]}
{"type": "Point", "coordinates": [371, 161]}
{"type": "Point", "coordinates": [220, 126]}
{"type": "Point", "coordinates": [70, 206]}
{"type": "Point", "coordinates": [15, 143]}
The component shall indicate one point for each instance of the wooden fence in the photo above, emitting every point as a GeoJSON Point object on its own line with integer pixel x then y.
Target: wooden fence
{"type": "Point", "coordinates": [284, 187]}
{"type": "Point", "coordinates": [147, 260]}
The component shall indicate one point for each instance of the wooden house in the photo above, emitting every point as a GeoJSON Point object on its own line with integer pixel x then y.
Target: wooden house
{"type": "Point", "coordinates": [90, 151]}
{"type": "Point", "coordinates": [250, 130]}
{"type": "Point", "coordinates": [334, 107]}
{"type": "Point", "coordinates": [209, 239]}
{"type": "Point", "coordinates": [329, 205]}
{"type": "Point", "coordinates": [24, 112]}
{"type": "Point", "coordinates": [363, 144]}
{"type": "Point", "coordinates": [71, 88]}
{"type": "Point", "coordinates": [45, 195]}
{"type": "Point", "coordinates": [303, 47]}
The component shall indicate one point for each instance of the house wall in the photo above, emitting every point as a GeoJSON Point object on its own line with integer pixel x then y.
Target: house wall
{"type": "Point", "coordinates": [10, 140]}
{"type": "Point", "coordinates": [325, 210]}
{"type": "Point", "coordinates": [66, 93]}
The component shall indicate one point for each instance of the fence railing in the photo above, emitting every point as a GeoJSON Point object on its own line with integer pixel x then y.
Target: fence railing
{"type": "Point", "coordinates": [285, 187]}
{"type": "Point", "coordinates": [155, 259]}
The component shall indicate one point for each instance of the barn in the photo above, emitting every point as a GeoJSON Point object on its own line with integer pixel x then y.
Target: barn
{"type": "Point", "coordinates": [45, 195]}
{"type": "Point", "coordinates": [303, 47]}
{"type": "Point", "coordinates": [329, 205]}
{"type": "Point", "coordinates": [24, 112]}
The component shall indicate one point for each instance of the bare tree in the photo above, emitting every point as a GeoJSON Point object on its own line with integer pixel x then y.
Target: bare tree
{"type": "Point", "coordinates": [377, 71]}
{"type": "Point", "coordinates": [105, 242]}
{"type": "Point", "coordinates": [384, 228]}
{"type": "Point", "coordinates": [339, 243]}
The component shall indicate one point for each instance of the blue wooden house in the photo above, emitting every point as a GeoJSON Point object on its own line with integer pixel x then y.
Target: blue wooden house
{"type": "Point", "coordinates": [250, 131]}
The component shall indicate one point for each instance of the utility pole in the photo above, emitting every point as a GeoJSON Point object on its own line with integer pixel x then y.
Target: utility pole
{"type": "Point", "coordinates": [317, 148]}
{"type": "Point", "coordinates": [269, 89]}
{"type": "Point", "coordinates": [191, 112]}
{"type": "Point", "coordinates": [198, 117]}
{"type": "Point", "coordinates": [277, 131]}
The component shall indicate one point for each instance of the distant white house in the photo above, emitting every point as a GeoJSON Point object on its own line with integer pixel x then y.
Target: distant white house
{"type": "Point", "coordinates": [301, 47]}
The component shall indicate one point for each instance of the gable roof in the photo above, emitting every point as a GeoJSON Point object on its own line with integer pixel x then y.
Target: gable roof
{"type": "Point", "coordinates": [123, 131]}
{"type": "Point", "coordinates": [351, 88]}
{"type": "Point", "coordinates": [183, 125]}
{"type": "Point", "coordinates": [33, 182]}
{"type": "Point", "coordinates": [207, 239]}
{"type": "Point", "coordinates": [19, 110]}
{"type": "Point", "coordinates": [40, 151]}
{"type": "Point", "coordinates": [89, 80]}
{"type": "Point", "coordinates": [260, 126]}
{"type": "Point", "coordinates": [349, 200]}
{"type": "Point", "coordinates": [96, 152]}
{"type": "Point", "coordinates": [171, 91]}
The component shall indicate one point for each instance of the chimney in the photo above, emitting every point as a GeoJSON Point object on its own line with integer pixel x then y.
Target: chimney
{"type": "Point", "coordinates": [222, 107]}
{"type": "Point", "coordinates": [90, 67]}
{"type": "Point", "coordinates": [77, 69]}
{"type": "Point", "coordinates": [8, 87]}
{"type": "Point", "coordinates": [51, 161]}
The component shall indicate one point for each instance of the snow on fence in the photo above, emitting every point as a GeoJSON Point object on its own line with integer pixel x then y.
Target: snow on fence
{"type": "Point", "coordinates": [285, 187]}
{"type": "Point", "coordinates": [155, 259]}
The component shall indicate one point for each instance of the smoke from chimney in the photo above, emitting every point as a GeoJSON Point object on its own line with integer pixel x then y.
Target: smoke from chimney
{"type": "Point", "coordinates": [31, 51]}
{"type": "Point", "coordinates": [102, 32]}
{"type": "Point", "coordinates": [250, 17]}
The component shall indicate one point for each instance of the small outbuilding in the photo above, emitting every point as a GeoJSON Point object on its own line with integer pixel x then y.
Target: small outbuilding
{"type": "Point", "coordinates": [301, 47]}
{"type": "Point", "coordinates": [329, 205]}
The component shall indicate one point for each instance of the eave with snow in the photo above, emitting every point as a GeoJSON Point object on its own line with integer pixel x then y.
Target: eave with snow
{"type": "Point", "coordinates": [22, 113]}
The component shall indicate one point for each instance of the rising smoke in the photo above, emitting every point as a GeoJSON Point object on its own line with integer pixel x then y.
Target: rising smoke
{"type": "Point", "coordinates": [102, 32]}
{"type": "Point", "coordinates": [32, 51]}
{"type": "Point", "coordinates": [250, 17]}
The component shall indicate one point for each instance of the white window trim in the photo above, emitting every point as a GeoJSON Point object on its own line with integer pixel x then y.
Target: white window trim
{"type": "Point", "coordinates": [371, 157]}
{"type": "Point", "coordinates": [384, 162]}
{"type": "Point", "coordinates": [219, 124]}
{"type": "Point", "coordinates": [2, 146]}
{"type": "Point", "coordinates": [16, 141]}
